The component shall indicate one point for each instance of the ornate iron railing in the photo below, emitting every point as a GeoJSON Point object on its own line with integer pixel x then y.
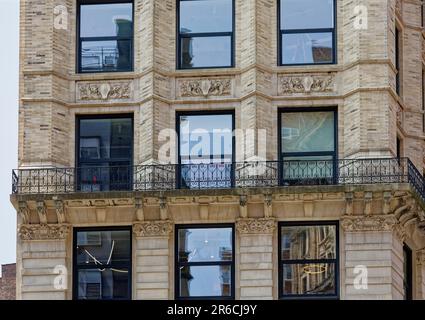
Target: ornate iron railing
{"type": "Point", "coordinates": [217, 176]}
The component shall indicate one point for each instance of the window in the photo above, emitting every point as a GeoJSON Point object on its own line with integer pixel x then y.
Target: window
{"type": "Point", "coordinates": [205, 262]}
{"type": "Point", "coordinates": [105, 36]}
{"type": "Point", "coordinates": [307, 32]}
{"type": "Point", "coordinates": [205, 149]}
{"type": "Point", "coordinates": [423, 100]}
{"type": "Point", "coordinates": [398, 59]}
{"type": "Point", "coordinates": [308, 260]}
{"type": "Point", "coordinates": [408, 273]}
{"type": "Point", "coordinates": [102, 264]}
{"type": "Point", "coordinates": [104, 153]}
{"type": "Point", "coordinates": [205, 35]}
{"type": "Point", "coordinates": [308, 146]}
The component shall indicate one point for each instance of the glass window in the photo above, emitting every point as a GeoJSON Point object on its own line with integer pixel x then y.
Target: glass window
{"type": "Point", "coordinates": [407, 273]}
{"type": "Point", "coordinates": [105, 150]}
{"type": "Point", "coordinates": [308, 260]}
{"type": "Point", "coordinates": [308, 147]}
{"type": "Point", "coordinates": [206, 150]}
{"type": "Point", "coordinates": [205, 33]}
{"type": "Point", "coordinates": [307, 32]}
{"type": "Point", "coordinates": [205, 262]}
{"type": "Point", "coordinates": [106, 37]}
{"type": "Point", "coordinates": [102, 264]}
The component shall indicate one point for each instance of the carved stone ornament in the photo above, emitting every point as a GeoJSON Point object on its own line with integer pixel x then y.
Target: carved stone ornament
{"type": "Point", "coordinates": [153, 228]}
{"type": "Point", "coordinates": [94, 91]}
{"type": "Point", "coordinates": [44, 231]}
{"type": "Point", "coordinates": [261, 225]}
{"type": "Point", "coordinates": [205, 87]}
{"type": "Point", "coordinates": [306, 84]}
{"type": "Point", "coordinates": [369, 223]}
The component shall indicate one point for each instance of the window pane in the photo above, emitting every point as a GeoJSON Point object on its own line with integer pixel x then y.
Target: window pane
{"type": "Point", "coordinates": [106, 20]}
{"type": "Point", "coordinates": [308, 242]}
{"type": "Point", "coordinates": [104, 139]}
{"type": "Point", "coordinates": [105, 176]}
{"type": "Point", "coordinates": [106, 56]}
{"type": "Point", "coordinates": [317, 169]}
{"type": "Point", "coordinates": [200, 245]}
{"type": "Point", "coordinates": [206, 16]}
{"type": "Point", "coordinates": [202, 52]}
{"type": "Point", "coordinates": [309, 279]}
{"type": "Point", "coordinates": [102, 248]}
{"type": "Point", "coordinates": [304, 48]}
{"type": "Point", "coordinates": [308, 131]}
{"type": "Point", "coordinates": [306, 14]}
{"type": "Point", "coordinates": [205, 281]}
{"type": "Point", "coordinates": [107, 283]}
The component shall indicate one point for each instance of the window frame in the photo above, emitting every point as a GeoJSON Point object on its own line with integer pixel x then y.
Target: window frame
{"type": "Point", "coordinates": [178, 264]}
{"type": "Point", "coordinates": [407, 272]}
{"type": "Point", "coordinates": [179, 114]}
{"type": "Point", "coordinates": [398, 51]}
{"type": "Point", "coordinates": [179, 37]}
{"type": "Point", "coordinates": [76, 268]}
{"type": "Point", "coordinates": [80, 40]}
{"type": "Point", "coordinates": [281, 32]}
{"type": "Point", "coordinates": [282, 154]}
{"type": "Point", "coordinates": [97, 163]}
{"type": "Point", "coordinates": [335, 261]}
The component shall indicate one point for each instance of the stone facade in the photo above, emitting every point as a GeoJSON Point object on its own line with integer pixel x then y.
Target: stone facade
{"type": "Point", "coordinates": [375, 220]}
{"type": "Point", "coordinates": [8, 282]}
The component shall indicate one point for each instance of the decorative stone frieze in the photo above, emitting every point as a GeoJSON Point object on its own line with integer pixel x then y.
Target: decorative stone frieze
{"type": "Point", "coordinates": [368, 223]}
{"type": "Point", "coordinates": [102, 91]}
{"type": "Point", "coordinates": [153, 228]}
{"type": "Point", "coordinates": [290, 84]}
{"type": "Point", "coordinates": [251, 225]}
{"type": "Point", "coordinates": [44, 231]}
{"type": "Point", "coordinates": [204, 87]}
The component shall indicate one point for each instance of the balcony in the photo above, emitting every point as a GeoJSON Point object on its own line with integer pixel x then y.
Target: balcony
{"type": "Point", "coordinates": [217, 176]}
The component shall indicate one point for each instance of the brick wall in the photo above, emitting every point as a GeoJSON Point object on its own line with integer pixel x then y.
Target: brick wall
{"type": "Point", "coordinates": [8, 282]}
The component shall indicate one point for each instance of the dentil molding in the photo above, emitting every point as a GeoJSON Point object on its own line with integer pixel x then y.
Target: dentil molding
{"type": "Point", "coordinates": [251, 225]}
{"type": "Point", "coordinates": [153, 228]}
{"type": "Point", "coordinates": [44, 231]}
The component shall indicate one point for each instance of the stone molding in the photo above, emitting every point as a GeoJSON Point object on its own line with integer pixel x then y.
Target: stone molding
{"type": "Point", "coordinates": [254, 226]}
{"type": "Point", "coordinates": [44, 231]}
{"type": "Point", "coordinates": [305, 83]}
{"type": "Point", "coordinates": [153, 229]}
{"type": "Point", "coordinates": [102, 91]}
{"type": "Point", "coordinates": [204, 87]}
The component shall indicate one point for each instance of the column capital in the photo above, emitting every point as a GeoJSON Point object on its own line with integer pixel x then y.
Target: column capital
{"type": "Point", "coordinates": [44, 231]}
{"type": "Point", "coordinates": [161, 228]}
{"type": "Point", "coordinates": [255, 226]}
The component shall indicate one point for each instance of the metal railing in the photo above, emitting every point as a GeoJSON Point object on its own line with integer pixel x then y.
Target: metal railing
{"type": "Point", "coordinates": [217, 176]}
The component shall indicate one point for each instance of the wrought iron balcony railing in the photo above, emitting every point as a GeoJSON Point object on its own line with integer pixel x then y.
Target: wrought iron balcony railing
{"type": "Point", "coordinates": [217, 176]}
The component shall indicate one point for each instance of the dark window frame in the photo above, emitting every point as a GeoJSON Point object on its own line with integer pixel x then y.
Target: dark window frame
{"type": "Point", "coordinates": [335, 261]}
{"type": "Point", "coordinates": [178, 264]}
{"type": "Point", "coordinates": [408, 272]}
{"type": "Point", "coordinates": [280, 33]}
{"type": "Point", "coordinates": [282, 154]}
{"type": "Point", "coordinates": [80, 40]}
{"type": "Point", "coordinates": [179, 114]}
{"type": "Point", "coordinates": [78, 162]}
{"type": "Point", "coordinates": [180, 36]}
{"type": "Point", "coordinates": [398, 35]}
{"type": "Point", "coordinates": [76, 268]}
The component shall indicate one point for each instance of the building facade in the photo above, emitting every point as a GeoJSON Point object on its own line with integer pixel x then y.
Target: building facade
{"type": "Point", "coordinates": [8, 282]}
{"type": "Point", "coordinates": [233, 149]}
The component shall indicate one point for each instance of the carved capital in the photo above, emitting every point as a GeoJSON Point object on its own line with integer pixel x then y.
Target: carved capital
{"type": "Point", "coordinates": [205, 87]}
{"type": "Point", "coordinates": [60, 211]}
{"type": "Point", "coordinates": [44, 231]}
{"type": "Point", "coordinates": [420, 257]}
{"type": "Point", "coordinates": [153, 229]}
{"type": "Point", "coordinates": [24, 212]}
{"type": "Point", "coordinates": [42, 212]}
{"type": "Point", "coordinates": [255, 226]}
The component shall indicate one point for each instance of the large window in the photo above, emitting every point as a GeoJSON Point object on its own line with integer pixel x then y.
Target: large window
{"type": "Point", "coordinates": [102, 263]}
{"type": "Point", "coordinates": [308, 146]}
{"type": "Point", "coordinates": [105, 35]}
{"type": "Point", "coordinates": [308, 260]}
{"type": "Point", "coordinates": [205, 149]}
{"type": "Point", "coordinates": [205, 34]}
{"type": "Point", "coordinates": [104, 153]}
{"type": "Point", "coordinates": [407, 273]}
{"type": "Point", "coordinates": [307, 32]}
{"type": "Point", "coordinates": [204, 262]}
{"type": "Point", "coordinates": [398, 57]}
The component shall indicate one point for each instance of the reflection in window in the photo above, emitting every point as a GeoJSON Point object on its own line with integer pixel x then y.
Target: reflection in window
{"type": "Point", "coordinates": [307, 32]}
{"type": "Point", "coordinates": [106, 37]}
{"type": "Point", "coordinates": [103, 264]}
{"type": "Point", "coordinates": [205, 33]}
{"type": "Point", "coordinates": [206, 150]}
{"type": "Point", "coordinates": [308, 260]}
{"type": "Point", "coordinates": [204, 262]}
{"type": "Point", "coordinates": [308, 147]}
{"type": "Point", "coordinates": [105, 153]}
